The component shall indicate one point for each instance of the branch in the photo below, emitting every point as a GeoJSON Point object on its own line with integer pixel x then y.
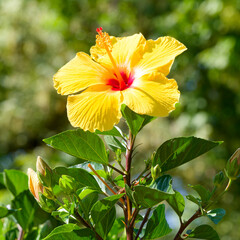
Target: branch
{"type": "Point", "coordinates": [143, 222]}
{"type": "Point", "coordinates": [183, 226]}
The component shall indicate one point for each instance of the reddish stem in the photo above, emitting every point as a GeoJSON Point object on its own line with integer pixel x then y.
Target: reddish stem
{"type": "Point", "coordinates": [183, 226]}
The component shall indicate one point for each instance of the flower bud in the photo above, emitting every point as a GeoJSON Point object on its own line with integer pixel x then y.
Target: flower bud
{"type": "Point", "coordinates": [44, 171]}
{"type": "Point", "coordinates": [68, 184]}
{"type": "Point", "coordinates": [232, 168]}
{"type": "Point", "coordinates": [218, 179]}
{"type": "Point", "coordinates": [34, 184]}
{"type": "Point", "coordinates": [155, 172]}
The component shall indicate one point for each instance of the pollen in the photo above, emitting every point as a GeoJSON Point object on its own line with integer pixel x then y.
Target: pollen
{"type": "Point", "coordinates": [103, 40]}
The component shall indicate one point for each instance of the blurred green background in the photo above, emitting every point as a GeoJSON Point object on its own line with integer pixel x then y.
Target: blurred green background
{"type": "Point", "coordinates": [37, 37]}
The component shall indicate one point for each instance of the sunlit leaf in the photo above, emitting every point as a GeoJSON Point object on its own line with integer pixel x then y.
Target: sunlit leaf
{"type": "Point", "coordinates": [84, 145]}
{"type": "Point", "coordinates": [16, 181]}
{"type": "Point", "coordinates": [70, 232]}
{"type": "Point", "coordinates": [178, 151]}
{"type": "Point", "coordinates": [135, 121]}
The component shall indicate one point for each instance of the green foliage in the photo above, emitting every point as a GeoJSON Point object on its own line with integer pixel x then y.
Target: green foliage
{"type": "Point", "coordinates": [202, 192]}
{"type": "Point", "coordinates": [84, 145]}
{"type": "Point", "coordinates": [82, 177]}
{"type": "Point", "coordinates": [103, 214]}
{"type": "Point", "coordinates": [178, 151]}
{"type": "Point", "coordinates": [216, 215]}
{"type": "Point", "coordinates": [135, 121]}
{"type": "Point", "coordinates": [157, 225]}
{"type": "Point", "coordinates": [160, 190]}
{"type": "Point", "coordinates": [177, 202]}
{"type": "Point", "coordinates": [70, 232]}
{"type": "Point", "coordinates": [16, 181]}
{"type": "Point", "coordinates": [204, 232]}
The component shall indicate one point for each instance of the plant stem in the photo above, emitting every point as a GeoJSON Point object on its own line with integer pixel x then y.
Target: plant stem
{"type": "Point", "coordinates": [117, 170]}
{"type": "Point", "coordinates": [90, 166]}
{"type": "Point", "coordinates": [183, 226]}
{"type": "Point", "coordinates": [127, 180]}
{"type": "Point", "coordinates": [21, 233]}
{"type": "Point", "coordinates": [143, 222]}
{"type": "Point", "coordinates": [83, 222]}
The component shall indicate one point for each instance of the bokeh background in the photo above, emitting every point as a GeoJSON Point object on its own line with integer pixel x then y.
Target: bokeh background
{"type": "Point", "coordinates": [37, 37]}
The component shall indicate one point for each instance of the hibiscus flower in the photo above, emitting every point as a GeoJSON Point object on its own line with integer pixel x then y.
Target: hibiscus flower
{"type": "Point", "coordinates": [121, 70]}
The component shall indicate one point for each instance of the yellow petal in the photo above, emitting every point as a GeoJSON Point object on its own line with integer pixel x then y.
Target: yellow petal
{"type": "Point", "coordinates": [126, 51]}
{"type": "Point", "coordinates": [98, 107]}
{"type": "Point", "coordinates": [153, 95]}
{"type": "Point", "coordinates": [159, 55]}
{"type": "Point", "coordinates": [80, 73]}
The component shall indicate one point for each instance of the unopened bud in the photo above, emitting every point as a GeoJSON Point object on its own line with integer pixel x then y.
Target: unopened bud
{"type": "Point", "coordinates": [34, 184]}
{"type": "Point", "coordinates": [155, 172]}
{"type": "Point", "coordinates": [44, 171]}
{"type": "Point", "coordinates": [233, 165]}
{"type": "Point", "coordinates": [42, 166]}
{"type": "Point", "coordinates": [218, 179]}
{"type": "Point", "coordinates": [68, 184]}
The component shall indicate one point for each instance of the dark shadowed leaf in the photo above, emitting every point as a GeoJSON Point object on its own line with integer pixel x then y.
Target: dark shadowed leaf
{"type": "Point", "coordinates": [163, 183]}
{"type": "Point", "coordinates": [114, 143]}
{"type": "Point", "coordinates": [103, 214]}
{"type": "Point", "coordinates": [84, 145]}
{"type": "Point", "coordinates": [147, 197]}
{"type": "Point", "coordinates": [216, 215]}
{"type": "Point", "coordinates": [135, 121]}
{"type": "Point", "coordinates": [157, 225]}
{"type": "Point", "coordinates": [27, 206]}
{"type": "Point", "coordinates": [178, 151]}
{"type": "Point", "coordinates": [204, 232]}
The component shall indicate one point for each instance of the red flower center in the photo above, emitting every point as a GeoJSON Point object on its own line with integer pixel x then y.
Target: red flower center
{"type": "Point", "coordinates": [126, 82]}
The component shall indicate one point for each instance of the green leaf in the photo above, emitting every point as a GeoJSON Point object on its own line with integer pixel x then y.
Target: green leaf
{"type": "Point", "coordinates": [216, 215]}
{"type": "Point", "coordinates": [147, 197]}
{"type": "Point", "coordinates": [27, 207]}
{"type": "Point", "coordinates": [204, 232]}
{"type": "Point", "coordinates": [84, 145]}
{"type": "Point", "coordinates": [157, 225]}
{"type": "Point", "coordinates": [163, 183]}
{"type": "Point", "coordinates": [117, 230]}
{"type": "Point", "coordinates": [88, 201]}
{"type": "Point", "coordinates": [202, 192]}
{"type": "Point", "coordinates": [83, 178]}
{"type": "Point", "coordinates": [114, 143]}
{"type": "Point", "coordinates": [4, 212]}
{"type": "Point", "coordinates": [103, 214]}
{"type": "Point", "coordinates": [178, 151]}
{"type": "Point", "coordinates": [70, 232]}
{"type": "Point", "coordinates": [194, 200]}
{"type": "Point", "coordinates": [135, 121]}
{"type": "Point", "coordinates": [2, 184]}
{"type": "Point", "coordinates": [116, 131]}
{"type": "Point", "coordinates": [177, 203]}
{"type": "Point", "coordinates": [15, 181]}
